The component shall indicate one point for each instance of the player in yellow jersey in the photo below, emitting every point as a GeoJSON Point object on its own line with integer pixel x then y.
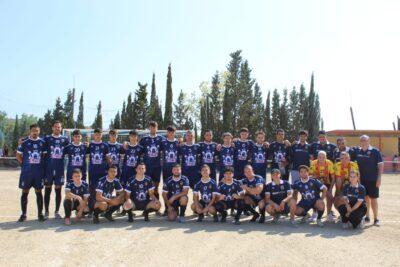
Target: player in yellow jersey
{"type": "Point", "coordinates": [342, 174]}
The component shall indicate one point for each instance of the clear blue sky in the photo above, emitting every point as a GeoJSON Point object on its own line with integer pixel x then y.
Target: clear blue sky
{"type": "Point", "coordinates": [352, 47]}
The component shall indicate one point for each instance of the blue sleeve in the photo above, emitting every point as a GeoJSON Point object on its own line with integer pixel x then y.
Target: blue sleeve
{"type": "Point", "coordinates": [288, 187]}
{"type": "Point", "coordinates": [118, 185]}
{"type": "Point", "coordinates": [196, 188]}
{"type": "Point", "coordinates": [346, 190]}
{"type": "Point", "coordinates": [215, 188]}
{"type": "Point", "coordinates": [86, 191]}
{"type": "Point", "coordinates": [318, 184]}
{"type": "Point", "coordinates": [165, 187]}
{"type": "Point", "coordinates": [362, 193]}
{"type": "Point", "coordinates": [68, 186]}
{"type": "Point", "coordinates": [21, 148]}
{"type": "Point", "coordinates": [295, 186]}
{"type": "Point", "coordinates": [186, 182]}
{"type": "Point", "coordinates": [151, 185]}
{"type": "Point", "coordinates": [378, 156]}
{"type": "Point", "coordinates": [268, 188]}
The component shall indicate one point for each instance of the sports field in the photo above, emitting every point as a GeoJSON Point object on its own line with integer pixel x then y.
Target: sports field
{"type": "Point", "coordinates": [162, 243]}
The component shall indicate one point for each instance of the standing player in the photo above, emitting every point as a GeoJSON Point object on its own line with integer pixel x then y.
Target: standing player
{"type": "Point", "coordinates": [170, 147]}
{"type": "Point", "coordinates": [226, 155]}
{"type": "Point", "coordinates": [253, 186]}
{"type": "Point", "coordinates": [140, 194]}
{"type": "Point", "coordinates": [242, 152]}
{"type": "Point", "coordinates": [98, 163]}
{"type": "Point", "coordinates": [152, 144]}
{"type": "Point", "coordinates": [54, 167]}
{"type": "Point", "coordinates": [133, 153]}
{"type": "Point", "coordinates": [231, 196]}
{"type": "Point", "coordinates": [310, 190]}
{"type": "Point", "coordinates": [115, 150]}
{"type": "Point", "coordinates": [278, 194]}
{"type": "Point", "coordinates": [105, 199]}
{"type": "Point", "coordinates": [259, 155]}
{"type": "Point", "coordinates": [299, 155]}
{"type": "Point", "coordinates": [323, 145]}
{"type": "Point", "coordinates": [370, 163]}
{"type": "Point", "coordinates": [208, 150]}
{"type": "Point", "coordinates": [205, 195]}
{"type": "Point", "coordinates": [175, 194]}
{"type": "Point", "coordinates": [279, 152]}
{"type": "Point", "coordinates": [76, 196]}
{"type": "Point", "coordinates": [190, 154]}
{"type": "Point", "coordinates": [322, 169]}
{"type": "Point", "coordinates": [76, 153]}
{"type": "Point", "coordinates": [341, 147]}
{"type": "Point", "coordinates": [30, 155]}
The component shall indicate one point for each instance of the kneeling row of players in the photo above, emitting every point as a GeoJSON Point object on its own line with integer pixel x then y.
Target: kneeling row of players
{"type": "Point", "coordinates": [277, 197]}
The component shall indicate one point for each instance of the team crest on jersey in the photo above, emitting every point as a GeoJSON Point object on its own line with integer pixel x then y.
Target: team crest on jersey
{"type": "Point", "coordinates": [242, 155]}
{"type": "Point", "coordinates": [34, 157]}
{"type": "Point", "coordinates": [131, 161]}
{"type": "Point", "coordinates": [282, 187]}
{"type": "Point", "coordinates": [153, 151]}
{"type": "Point", "coordinates": [260, 158]}
{"type": "Point", "coordinates": [208, 157]}
{"type": "Point", "coordinates": [190, 160]}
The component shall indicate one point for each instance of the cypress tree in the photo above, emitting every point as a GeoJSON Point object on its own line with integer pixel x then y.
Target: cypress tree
{"type": "Point", "coordinates": [15, 133]}
{"type": "Point", "coordinates": [69, 105]}
{"type": "Point", "coordinates": [98, 121]}
{"type": "Point", "coordinates": [141, 105]}
{"type": "Point", "coordinates": [275, 112]}
{"type": "Point", "coordinates": [168, 120]}
{"type": "Point", "coordinates": [79, 121]}
{"type": "Point", "coordinates": [267, 118]}
{"type": "Point", "coordinates": [58, 112]}
{"type": "Point", "coordinates": [257, 118]}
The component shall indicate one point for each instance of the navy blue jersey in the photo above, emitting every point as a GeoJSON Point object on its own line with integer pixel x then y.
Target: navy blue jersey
{"type": "Point", "coordinates": [228, 190]}
{"type": "Point", "coordinates": [76, 155]}
{"type": "Point", "coordinates": [278, 192]}
{"type": "Point", "coordinates": [82, 190]}
{"type": "Point", "coordinates": [242, 151]}
{"type": "Point", "coordinates": [226, 157]}
{"type": "Point", "coordinates": [259, 154]}
{"type": "Point", "coordinates": [97, 154]}
{"type": "Point", "coordinates": [253, 183]}
{"type": "Point", "coordinates": [354, 194]}
{"type": "Point", "coordinates": [329, 148]}
{"type": "Point", "coordinates": [32, 152]}
{"type": "Point", "coordinates": [190, 155]}
{"type": "Point", "coordinates": [107, 187]}
{"type": "Point", "coordinates": [170, 152]}
{"type": "Point", "coordinates": [55, 151]}
{"type": "Point", "coordinates": [139, 189]}
{"type": "Point", "coordinates": [115, 151]}
{"type": "Point", "coordinates": [278, 152]}
{"type": "Point", "coordinates": [152, 147]}
{"type": "Point", "coordinates": [309, 190]}
{"type": "Point", "coordinates": [175, 186]}
{"type": "Point", "coordinates": [208, 152]}
{"type": "Point", "coordinates": [368, 162]}
{"type": "Point", "coordinates": [206, 190]}
{"type": "Point", "coordinates": [300, 155]}
{"type": "Point", "coordinates": [132, 155]}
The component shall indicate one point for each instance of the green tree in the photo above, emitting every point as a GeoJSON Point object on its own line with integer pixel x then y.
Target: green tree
{"type": "Point", "coordinates": [168, 120]}
{"type": "Point", "coordinates": [294, 115]}
{"type": "Point", "coordinates": [215, 102]}
{"type": "Point", "coordinates": [267, 117]}
{"type": "Point", "coordinates": [141, 106]}
{"type": "Point", "coordinates": [283, 115]}
{"type": "Point", "coordinates": [79, 120]}
{"type": "Point", "coordinates": [58, 112]}
{"type": "Point", "coordinates": [155, 113]}
{"type": "Point", "coordinates": [15, 133]}
{"type": "Point", "coordinates": [275, 112]}
{"type": "Point", "coordinates": [98, 121]}
{"type": "Point", "coordinates": [257, 118]}
{"type": "Point", "coordinates": [68, 109]}
{"type": "Point", "coordinates": [244, 103]}
{"type": "Point", "coordinates": [181, 112]}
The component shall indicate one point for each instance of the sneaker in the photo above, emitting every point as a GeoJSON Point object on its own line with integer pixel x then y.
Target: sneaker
{"type": "Point", "coordinates": [331, 217]}
{"type": "Point", "coordinates": [377, 222]}
{"type": "Point", "coordinates": [262, 219]}
{"type": "Point", "coordinates": [232, 213]}
{"type": "Point", "coordinates": [236, 221]}
{"type": "Point", "coordinates": [293, 223]}
{"type": "Point", "coordinates": [22, 218]}
{"type": "Point", "coordinates": [123, 213]}
{"type": "Point", "coordinates": [367, 220]}
{"type": "Point", "coordinates": [304, 219]}
{"type": "Point", "coordinates": [320, 223]}
{"type": "Point", "coordinates": [57, 215]}
{"type": "Point", "coordinates": [215, 218]}
{"type": "Point", "coordinates": [223, 218]}
{"type": "Point", "coordinates": [108, 216]}
{"type": "Point", "coordinates": [345, 226]}
{"type": "Point", "coordinates": [246, 213]}
{"type": "Point", "coordinates": [146, 216]}
{"type": "Point", "coordinates": [130, 217]}
{"type": "Point", "coordinates": [313, 217]}
{"type": "Point", "coordinates": [200, 218]}
{"type": "Point", "coordinates": [165, 213]}
{"type": "Point", "coordinates": [276, 218]}
{"type": "Point", "coordinates": [181, 219]}
{"type": "Point", "coordinates": [67, 221]}
{"type": "Point", "coordinates": [159, 214]}
{"type": "Point", "coordinates": [41, 218]}
{"type": "Point", "coordinates": [96, 218]}
{"type": "Point", "coordinates": [255, 217]}
{"type": "Point", "coordinates": [46, 214]}
{"type": "Point", "coordinates": [361, 225]}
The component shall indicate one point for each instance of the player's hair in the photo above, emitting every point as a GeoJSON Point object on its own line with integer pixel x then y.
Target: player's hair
{"type": "Point", "coordinates": [113, 166]}
{"type": "Point", "coordinates": [322, 132]}
{"type": "Point", "coordinates": [112, 132]}
{"type": "Point", "coordinates": [140, 163]}
{"type": "Point", "coordinates": [305, 167]}
{"type": "Point", "coordinates": [153, 124]}
{"type": "Point", "coordinates": [176, 165]}
{"type": "Point", "coordinates": [248, 166]}
{"type": "Point", "coordinates": [280, 131]}
{"type": "Point", "coordinates": [133, 132]}
{"type": "Point", "coordinates": [190, 131]}
{"type": "Point", "coordinates": [244, 130]}
{"type": "Point", "coordinates": [171, 128]}
{"type": "Point", "coordinates": [76, 171]}
{"type": "Point", "coordinates": [76, 132]}
{"type": "Point", "coordinates": [275, 171]}
{"type": "Point", "coordinates": [208, 131]}
{"type": "Point", "coordinates": [340, 139]}
{"type": "Point", "coordinates": [260, 132]}
{"type": "Point", "coordinates": [55, 122]}
{"type": "Point", "coordinates": [322, 152]}
{"type": "Point", "coordinates": [229, 169]}
{"type": "Point", "coordinates": [303, 132]}
{"type": "Point", "coordinates": [226, 134]}
{"type": "Point", "coordinates": [205, 166]}
{"type": "Point", "coordinates": [345, 153]}
{"type": "Point", "coordinates": [364, 136]}
{"type": "Point", "coordinates": [97, 130]}
{"type": "Point", "coordinates": [35, 125]}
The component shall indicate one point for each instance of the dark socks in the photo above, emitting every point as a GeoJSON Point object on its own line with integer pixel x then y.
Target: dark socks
{"type": "Point", "coordinates": [112, 209]}
{"type": "Point", "coordinates": [67, 208]}
{"type": "Point", "coordinates": [320, 213]}
{"type": "Point", "coordinates": [58, 198]}
{"type": "Point", "coordinates": [24, 202]}
{"type": "Point", "coordinates": [251, 209]}
{"type": "Point", "coordinates": [47, 194]}
{"type": "Point", "coordinates": [39, 202]}
{"type": "Point", "coordinates": [182, 210]}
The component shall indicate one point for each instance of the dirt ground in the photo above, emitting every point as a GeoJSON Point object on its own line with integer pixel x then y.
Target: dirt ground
{"type": "Point", "coordinates": [159, 242]}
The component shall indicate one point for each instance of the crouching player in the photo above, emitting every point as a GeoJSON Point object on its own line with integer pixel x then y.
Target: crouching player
{"type": "Point", "coordinates": [205, 195]}
{"type": "Point", "coordinates": [278, 194]}
{"type": "Point", "coordinates": [352, 205]}
{"type": "Point", "coordinates": [231, 196]}
{"type": "Point", "coordinates": [310, 190]}
{"type": "Point", "coordinates": [253, 186]}
{"type": "Point", "coordinates": [76, 196]}
{"type": "Point", "coordinates": [140, 194]}
{"type": "Point", "coordinates": [175, 191]}
{"type": "Point", "coordinates": [106, 201]}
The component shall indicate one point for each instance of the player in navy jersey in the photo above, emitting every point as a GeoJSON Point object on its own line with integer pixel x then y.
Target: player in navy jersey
{"type": "Point", "coordinates": [253, 186]}
{"type": "Point", "coordinates": [205, 195]}
{"type": "Point", "coordinates": [370, 164]}
{"type": "Point", "coordinates": [116, 150]}
{"type": "Point", "coordinates": [279, 152]}
{"type": "Point", "coordinates": [106, 201]}
{"type": "Point", "coordinates": [310, 190]}
{"type": "Point", "coordinates": [140, 194]}
{"type": "Point", "coordinates": [132, 157]}
{"type": "Point", "coordinates": [208, 150]}
{"type": "Point", "coordinates": [231, 196]}
{"type": "Point", "coordinates": [341, 147]}
{"type": "Point", "coordinates": [352, 206]}
{"type": "Point", "coordinates": [278, 194]}
{"type": "Point", "coordinates": [190, 154]}
{"type": "Point", "coordinates": [242, 152]}
{"type": "Point", "coordinates": [98, 163]}
{"type": "Point", "coordinates": [170, 149]}
{"type": "Point", "coordinates": [152, 145]}
{"type": "Point", "coordinates": [226, 154]}
{"type": "Point", "coordinates": [323, 144]}
{"type": "Point", "coordinates": [175, 194]}
{"type": "Point", "coordinates": [76, 196]}
{"type": "Point", "coordinates": [76, 153]}
{"type": "Point", "coordinates": [30, 154]}
{"type": "Point", "coordinates": [54, 167]}
{"type": "Point", "coordinates": [259, 155]}
{"type": "Point", "coordinates": [299, 155]}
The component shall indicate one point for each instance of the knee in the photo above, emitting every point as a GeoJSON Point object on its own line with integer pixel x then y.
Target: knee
{"type": "Point", "coordinates": [183, 201]}
{"type": "Point", "coordinates": [128, 205]}
{"type": "Point", "coordinates": [320, 205]}
{"type": "Point", "coordinates": [269, 209]}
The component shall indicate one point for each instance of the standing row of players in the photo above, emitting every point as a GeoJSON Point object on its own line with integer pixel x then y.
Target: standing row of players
{"type": "Point", "coordinates": [160, 154]}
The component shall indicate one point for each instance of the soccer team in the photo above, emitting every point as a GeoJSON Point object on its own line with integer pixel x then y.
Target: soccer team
{"type": "Point", "coordinates": [126, 177]}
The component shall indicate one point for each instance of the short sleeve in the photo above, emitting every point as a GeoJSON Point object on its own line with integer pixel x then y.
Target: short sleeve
{"type": "Point", "coordinates": [268, 189]}
{"type": "Point", "coordinates": [165, 187]}
{"type": "Point", "coordinates": [362, 193]}
{"type": "Point", "coordinates": [186, 183]}
{"type": "Point", "coordinates": [20, 148]}
{"type": "Point", "coordinates": [118, 186]}
{"type": "Point", "coordinates": [379, 159]}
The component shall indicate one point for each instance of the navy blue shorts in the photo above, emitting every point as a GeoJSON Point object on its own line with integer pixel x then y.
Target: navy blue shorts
{"type": "Point", "coordinates": [141, 205]}
{"type": "Point", "coordinates": [307, 204]}
{"type": "Point", "coordinates": [255, 199]}
{"type": "Point", "coordinates": [370, 189]}
{"type": "Point", "coordinates": [28, 180]}
{"type": "Point", "coordinates": [154, 173]}
{"type": "Point", "coordinates": [286, 209]}
{"type": "Point", "coordinates": [54, 176]}
{"type": "Point", "coordinates": [127, 174]}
